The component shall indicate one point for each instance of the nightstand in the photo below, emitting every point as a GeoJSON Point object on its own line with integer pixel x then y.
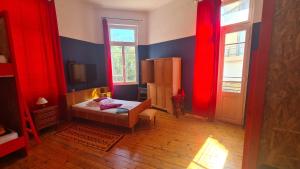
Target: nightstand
{"type": "Point", "coordinates": [45, 117]}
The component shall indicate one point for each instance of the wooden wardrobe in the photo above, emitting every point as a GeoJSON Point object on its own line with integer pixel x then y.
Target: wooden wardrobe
{"type": "Point", "coordinates": [163, 78]}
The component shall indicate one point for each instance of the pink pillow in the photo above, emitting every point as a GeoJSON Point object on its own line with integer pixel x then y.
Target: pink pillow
{"type": "Point", "coordinates": [99, 99]}
{"type": "Point", "coordinates": [109, 106]}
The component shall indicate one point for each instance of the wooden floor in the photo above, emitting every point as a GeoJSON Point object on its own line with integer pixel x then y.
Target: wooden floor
{"type": "Point", "coordinates": [171, 144]}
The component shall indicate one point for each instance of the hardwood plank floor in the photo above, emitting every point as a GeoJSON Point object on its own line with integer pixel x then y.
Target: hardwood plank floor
{"type": "Point", "coordinates": [171, 144]}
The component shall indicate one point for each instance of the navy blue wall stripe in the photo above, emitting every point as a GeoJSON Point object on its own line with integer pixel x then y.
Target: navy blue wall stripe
{"type": "Point", "coordinates": [85, 53]}
{"type": "Point", "coordinates": [255, 36]}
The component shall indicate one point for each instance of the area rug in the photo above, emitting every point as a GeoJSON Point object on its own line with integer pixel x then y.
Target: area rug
{"type": "Point", "coordinates": [90, 136]}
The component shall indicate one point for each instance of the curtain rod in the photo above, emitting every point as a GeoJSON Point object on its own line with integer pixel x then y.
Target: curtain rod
{"type": "Point", "coordinates": [123, 19]}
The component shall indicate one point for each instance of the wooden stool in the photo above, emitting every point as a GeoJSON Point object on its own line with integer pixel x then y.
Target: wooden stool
{"type": "Point", "coordinates": [149, 115]}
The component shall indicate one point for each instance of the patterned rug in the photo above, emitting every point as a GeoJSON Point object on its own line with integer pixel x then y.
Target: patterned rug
{"type": "Point", "coordinates": [90, 136]}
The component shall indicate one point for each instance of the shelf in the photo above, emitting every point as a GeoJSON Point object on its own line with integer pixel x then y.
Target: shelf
{"type": "Point", "coordinates": [9, 89]}
{"type": "Point", "coordinates": [12, 146]}
{"type": "Point", "coordinates": [6, 70]}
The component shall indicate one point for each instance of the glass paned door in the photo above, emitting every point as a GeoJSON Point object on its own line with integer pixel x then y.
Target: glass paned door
{"type": "Point", "coordinates": [234, 53]}
{"type": "Point", "coordinates": [233, 73]}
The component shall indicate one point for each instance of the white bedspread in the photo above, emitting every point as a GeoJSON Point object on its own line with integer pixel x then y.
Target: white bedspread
{"type": "Point", "coordinates": [92, 106]}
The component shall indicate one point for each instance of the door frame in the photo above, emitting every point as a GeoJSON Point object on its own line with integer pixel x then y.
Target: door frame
{"type": "Point", "coordinates": [247, 26]}
{"type": "Point", "coordinates": [256, 90]}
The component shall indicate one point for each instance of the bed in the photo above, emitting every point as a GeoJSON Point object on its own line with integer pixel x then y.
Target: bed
{"type": "Point", "coordinates": [81, 105]}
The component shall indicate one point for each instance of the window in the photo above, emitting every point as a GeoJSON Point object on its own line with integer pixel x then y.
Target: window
{"type": "Point", "coordinates": [235, 12]}
{"type": "Point", "coordinates": [122, 35]}
{"type": "Point", "coordinates": [123, 41]}
{"type": "Point", "coordinates": [233, 61]}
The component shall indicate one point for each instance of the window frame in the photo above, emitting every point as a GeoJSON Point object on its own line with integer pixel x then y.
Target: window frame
{"type": "Point", "coordinates": [250, 16]}
{"type": "Point", "coordinates": [123, 45]}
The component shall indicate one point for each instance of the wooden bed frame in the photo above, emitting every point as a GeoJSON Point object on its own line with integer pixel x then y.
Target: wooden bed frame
{"type": "Point", "coordinates": [88, 94]}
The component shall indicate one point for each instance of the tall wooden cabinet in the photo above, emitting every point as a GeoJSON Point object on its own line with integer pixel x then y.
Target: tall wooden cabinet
{"type": "Point", "coordinates": [163, 78]}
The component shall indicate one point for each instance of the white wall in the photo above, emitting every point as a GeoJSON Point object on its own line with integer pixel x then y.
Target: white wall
{"type": "Point", "coordinates": [257, 13]}
{"type": "Point", "coordinates": [178, 20]}
{"type": "Point", "coordinates": [172, 21]}
{"type": "Point", "coordinates": [82, 20]}
{"type": "Point", "coordinates": [78, 20]}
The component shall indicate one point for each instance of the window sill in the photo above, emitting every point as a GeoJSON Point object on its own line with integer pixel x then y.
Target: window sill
{"type": "Point", "coordinates": [125, 84]}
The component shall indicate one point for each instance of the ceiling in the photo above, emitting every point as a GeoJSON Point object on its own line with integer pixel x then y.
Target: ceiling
{"type": "Point", "coordinates": [137, 5]}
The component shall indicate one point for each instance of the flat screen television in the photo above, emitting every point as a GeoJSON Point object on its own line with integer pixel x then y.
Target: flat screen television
{"type": "Point", "coordinates": [82, 73]}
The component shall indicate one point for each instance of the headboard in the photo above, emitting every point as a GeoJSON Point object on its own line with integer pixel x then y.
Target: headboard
{"type": "Point", "coordinates": [84, 95]}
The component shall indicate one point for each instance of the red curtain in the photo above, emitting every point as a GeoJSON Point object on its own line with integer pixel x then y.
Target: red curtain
{"type": "Point", "coordinates": [36, 47]}
{"type": "Point", "coordinates": [109, 77]}
{"type": "Point", "coordinates": [206, 58]}
{"type": "Point", "coordinates": [52, 24]}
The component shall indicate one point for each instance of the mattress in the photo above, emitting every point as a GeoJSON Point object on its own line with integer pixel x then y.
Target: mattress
{"type": "Point", "coordinates": [11, 135]}
{"type": "Point", "coordinates": [91, 106]}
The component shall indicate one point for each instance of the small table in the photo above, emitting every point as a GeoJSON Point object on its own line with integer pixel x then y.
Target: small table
{"type": "Point", "coordinates": [45, 117]}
